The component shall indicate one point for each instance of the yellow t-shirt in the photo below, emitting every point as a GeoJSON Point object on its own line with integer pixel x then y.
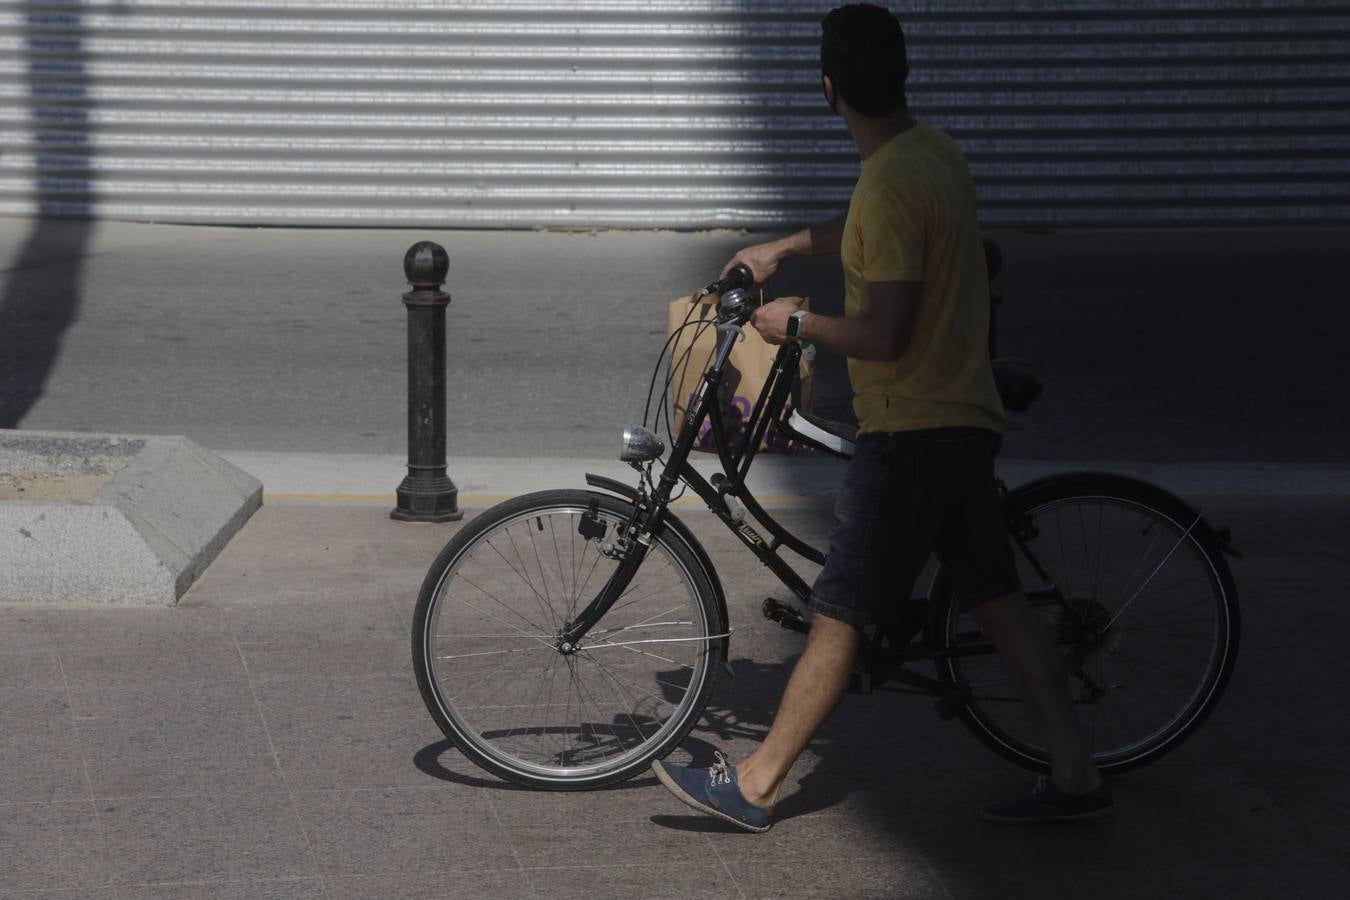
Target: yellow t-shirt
{"type": "Point", "coordinates": [912, 218]}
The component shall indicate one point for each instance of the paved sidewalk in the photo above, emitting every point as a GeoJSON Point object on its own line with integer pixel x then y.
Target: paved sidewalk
{"type": "Point", "coordinates": [266, 739]}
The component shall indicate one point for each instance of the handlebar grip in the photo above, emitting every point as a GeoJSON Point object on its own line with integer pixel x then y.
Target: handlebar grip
{"type": "Point", "coordinates": [740, 276]}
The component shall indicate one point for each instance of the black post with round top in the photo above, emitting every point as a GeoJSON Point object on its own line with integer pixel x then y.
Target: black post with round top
{"type": "Point", "coordinates": [426, 494]}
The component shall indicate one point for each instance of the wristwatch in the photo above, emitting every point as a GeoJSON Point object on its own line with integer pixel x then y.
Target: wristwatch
{"type": "Point", "coordinates": [794, 324]}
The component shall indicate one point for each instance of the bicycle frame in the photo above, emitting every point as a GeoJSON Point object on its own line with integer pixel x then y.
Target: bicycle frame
{"type": "Point", "coordinates": [730, 482]}
{"type": "Point", "coordinates": [650, 511]}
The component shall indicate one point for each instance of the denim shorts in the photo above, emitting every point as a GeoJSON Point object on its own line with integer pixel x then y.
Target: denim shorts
{"type": "Point", "coordinates": [906, 496]}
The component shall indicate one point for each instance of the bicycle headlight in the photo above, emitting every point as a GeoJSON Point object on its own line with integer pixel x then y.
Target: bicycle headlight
{"type": "Point", "coordinates": [640, 445]}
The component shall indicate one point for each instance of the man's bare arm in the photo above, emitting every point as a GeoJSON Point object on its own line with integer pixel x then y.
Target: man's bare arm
{"type": "Point", "coordinates": [818, 240]}
{"type": "Point", "coordinates": [883, 332]}
{"type": "Point", "coordinates": [827, 237]}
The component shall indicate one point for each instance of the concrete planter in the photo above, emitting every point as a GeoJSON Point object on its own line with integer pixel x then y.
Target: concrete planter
{"type": "Point", "coordinates": [165, 510]}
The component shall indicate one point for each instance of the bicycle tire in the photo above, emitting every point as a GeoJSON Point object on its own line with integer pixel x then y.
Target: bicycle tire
{"type": "Point", "coordinates": [587, 739]}
{"type": "Point", "coordinates": [988, 716]}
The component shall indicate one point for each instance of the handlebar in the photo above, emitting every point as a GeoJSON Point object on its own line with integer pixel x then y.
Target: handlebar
{"type": "Point", "coordinates": [733, 292]}
{"type": "Point", "coordinates": [738, 278]}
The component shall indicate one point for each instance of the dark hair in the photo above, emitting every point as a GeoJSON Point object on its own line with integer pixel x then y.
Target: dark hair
{"type": "Point", "coordinates": [862, 49]}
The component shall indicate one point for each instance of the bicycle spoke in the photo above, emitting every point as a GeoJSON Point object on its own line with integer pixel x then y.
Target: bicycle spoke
{"type": "Point", "coordinates": [618, 607]}
{"type": "Point", "coordinates": [576, 571]}
{"type": "Point", "coordinates": [548, 700]}
{"type": "Point", "coordinates": [608, 632]}
{"type": "Point", "coordinates": [587, 583]}
{"type": "Point", "coordinates": [620, 706]}
{"type": "Point", "coordinates": [557, 555]}
{"type": "Point", "coordinates": [489, 677]}
{"type": "Point", "coordinates": [490, 653]}
{"type": "Point", "coordinates": [1136, 594]}
{"type": "Point", "coordinates": [1082, 528]}
{"type": "Point", "coordinates": [664, 612]}
{"type": "Point", "coordinates": [607, 671]}
{"type": "Point", "coordinates": [567, 709]}
{"type": "Point", "coordinates": [1097, 567]}
{"type": "Point", "coordinates": [534, 703]}
{"type": "Point", "coordinates": [1139, 566]}
{"type": "Point", "coordinates": [548, 595]}
{"type": "Point", "coordinates": [524, 574]}
{"type": "Point", "coordinates": [655, 656]}
{"type": "Point", "coordinates": [503, 605]}
{"type": "Point", "coordinates": [1063, 585]}
{"type": "Point", "coordinates": [1144, 629]}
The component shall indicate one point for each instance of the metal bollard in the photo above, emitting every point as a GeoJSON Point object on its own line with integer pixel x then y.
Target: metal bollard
{"type": "Point", "coordinates": [426, 494]}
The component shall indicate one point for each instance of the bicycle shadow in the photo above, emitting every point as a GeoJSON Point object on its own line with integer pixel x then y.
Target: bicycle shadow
{"type": "Point", "coordinates": [740, 711]}
{"type": "Point", "coordinates": [428, 761]}
{"type": "Point", "coordinates": [725, 724]}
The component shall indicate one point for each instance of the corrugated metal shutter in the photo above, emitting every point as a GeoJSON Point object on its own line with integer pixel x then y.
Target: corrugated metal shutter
{"type": "Point", "coordinates": [659, 113]}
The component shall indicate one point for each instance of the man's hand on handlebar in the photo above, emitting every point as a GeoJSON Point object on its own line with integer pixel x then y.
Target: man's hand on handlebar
{"type": "Point", "coordinates": [770, 320]}
{"type": "Point", "coordinates": [762, 260]}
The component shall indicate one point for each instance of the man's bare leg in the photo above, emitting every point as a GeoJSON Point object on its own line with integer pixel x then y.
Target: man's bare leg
{"type": "Point", "coordinates": [818, 681]}
{"type": "Point", "coordinates": [1036, 669]}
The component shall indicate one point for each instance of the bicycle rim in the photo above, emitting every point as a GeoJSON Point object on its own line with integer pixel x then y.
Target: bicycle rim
{"type": "Point", "coordinates": [1142, 617]}
{"type": "Point", "coordinates": [527, 710]}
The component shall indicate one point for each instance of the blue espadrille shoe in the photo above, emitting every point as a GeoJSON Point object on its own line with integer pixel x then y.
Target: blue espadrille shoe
{"type": "Point", "coordinates": [715, 791]}
{"type": "Point", "coordinates": [1047, 803]}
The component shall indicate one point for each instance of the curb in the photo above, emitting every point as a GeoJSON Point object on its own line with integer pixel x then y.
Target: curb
{"type": "Point", "coordinates": [777, 481]}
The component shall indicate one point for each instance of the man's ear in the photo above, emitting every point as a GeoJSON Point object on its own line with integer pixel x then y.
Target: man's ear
{"type": "Point", "coordinates": [831, 95]}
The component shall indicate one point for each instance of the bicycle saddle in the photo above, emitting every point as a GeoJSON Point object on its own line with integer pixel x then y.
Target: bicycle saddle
{"type": "Point", "coordinates": [832, 437]}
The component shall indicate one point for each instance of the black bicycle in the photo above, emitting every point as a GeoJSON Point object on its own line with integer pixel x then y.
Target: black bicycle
{"type": "Point", "coordinates": [565, 639]}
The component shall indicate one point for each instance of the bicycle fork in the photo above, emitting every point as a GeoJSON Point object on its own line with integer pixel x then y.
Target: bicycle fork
{"type": "Point", "coordinates": [635, 541]}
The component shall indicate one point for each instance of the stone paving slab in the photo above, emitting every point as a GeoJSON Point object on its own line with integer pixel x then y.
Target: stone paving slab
{"type": "Point", "coordinates": [266, 739]}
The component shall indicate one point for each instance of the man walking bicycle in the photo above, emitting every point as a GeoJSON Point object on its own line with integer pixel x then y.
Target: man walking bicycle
{"type": "Point", "coordinates": [921, 481]}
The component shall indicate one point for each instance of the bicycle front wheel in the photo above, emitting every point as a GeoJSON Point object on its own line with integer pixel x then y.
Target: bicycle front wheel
{"type": "Point", "coordinates": [490, 662]}
{"type": "Point", "coordinates": [1133, 585]}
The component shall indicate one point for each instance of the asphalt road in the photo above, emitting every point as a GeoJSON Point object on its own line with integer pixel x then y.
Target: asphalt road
{"type": "Point", "coordinates": [1162, 346]}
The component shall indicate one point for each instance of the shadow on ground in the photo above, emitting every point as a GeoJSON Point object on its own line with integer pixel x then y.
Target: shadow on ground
{"type": "Point", "coordinates": [41, 295]}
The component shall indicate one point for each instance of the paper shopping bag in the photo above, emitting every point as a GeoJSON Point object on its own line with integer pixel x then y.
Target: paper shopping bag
{"type": "Point", "coordinates": [742, 380]}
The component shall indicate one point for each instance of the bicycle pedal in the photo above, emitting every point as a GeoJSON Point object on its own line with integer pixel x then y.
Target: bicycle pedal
{"type": "Point", "coordinates": [787, 616]}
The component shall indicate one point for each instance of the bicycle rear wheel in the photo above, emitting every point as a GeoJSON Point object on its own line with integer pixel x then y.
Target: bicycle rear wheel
{"type": "Point", "coordinates": [1136, 590]}
{"type": "Point", "coordinates": [489, 660]}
